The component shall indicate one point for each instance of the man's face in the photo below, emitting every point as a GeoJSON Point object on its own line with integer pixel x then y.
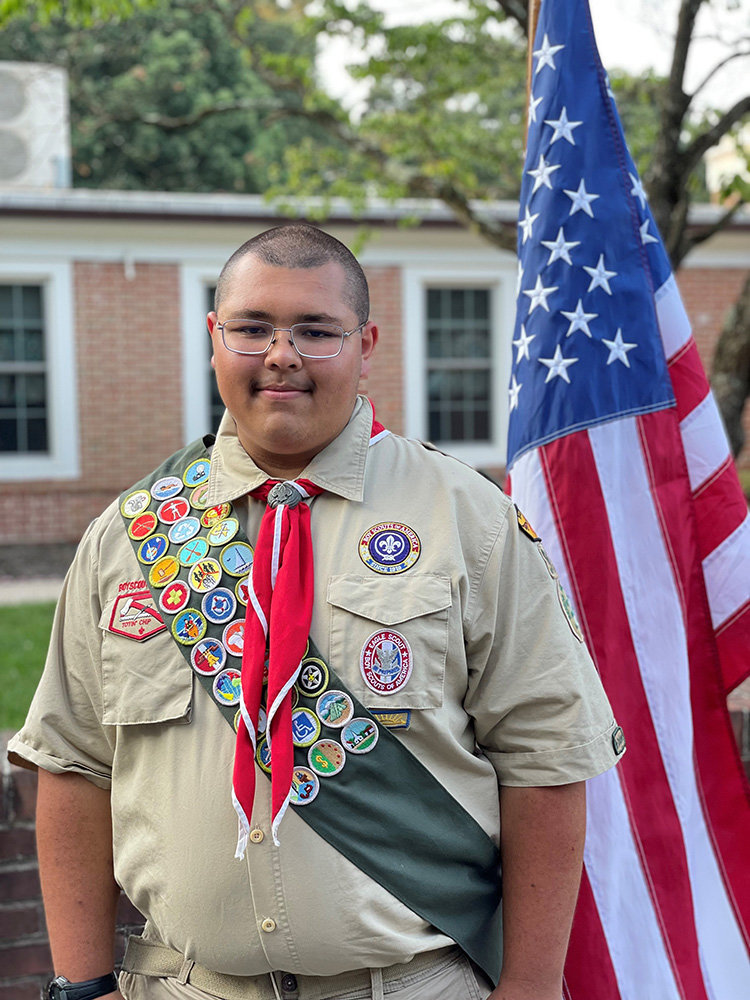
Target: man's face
{"type": "Point", "coordinates": [288, 408]}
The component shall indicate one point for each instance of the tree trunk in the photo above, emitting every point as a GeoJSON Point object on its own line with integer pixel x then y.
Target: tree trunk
{"type": "Point", "coordinates": [730, 371]}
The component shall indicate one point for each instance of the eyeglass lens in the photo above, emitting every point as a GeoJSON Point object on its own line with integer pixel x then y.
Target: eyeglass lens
{"type": "Point", "coordinates": [312, 340]}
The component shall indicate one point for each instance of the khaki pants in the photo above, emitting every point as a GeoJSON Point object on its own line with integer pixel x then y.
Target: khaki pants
{"type": "Point", "coordinates": [451, 976]}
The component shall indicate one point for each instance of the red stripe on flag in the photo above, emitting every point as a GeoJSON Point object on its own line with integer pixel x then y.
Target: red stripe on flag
{"type": "Point", "coordinates": [689, 381]}
{"type": "Point", "coordinates": [588, 968]}
{"type": "Point", "coordinates": [721, 778]}
{"type": "Point", "coordinates": [733, 643]}
{"type": "Point", "coordinates": [653, 815]}
{"type": "Point", "coordinates": [720, 508]}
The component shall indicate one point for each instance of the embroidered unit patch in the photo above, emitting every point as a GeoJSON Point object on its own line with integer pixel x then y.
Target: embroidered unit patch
{"type": "Point", "coordinates": [525, 527]}
{"type": "Point", "coordinates": [136, 616]}
{"type": "Point", "coordinates": [392, 720]}
{"type": "Point", "coordinates": [389, 547]}
{"type": "Point", "coordinates": [386, 662]}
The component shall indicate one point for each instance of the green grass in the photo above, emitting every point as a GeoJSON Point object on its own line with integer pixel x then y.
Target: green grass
{"type": "Point", "coordinates": [25, 630]}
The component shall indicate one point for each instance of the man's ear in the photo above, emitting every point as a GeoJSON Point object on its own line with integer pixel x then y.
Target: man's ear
{"type": "Point", "coordinates": [211, 322]}
{"type": "Point", "coordinates": [369, 340]}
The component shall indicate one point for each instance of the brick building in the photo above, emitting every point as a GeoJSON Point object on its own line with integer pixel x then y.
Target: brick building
{"type": "Point", "coordinates": [104, 355]}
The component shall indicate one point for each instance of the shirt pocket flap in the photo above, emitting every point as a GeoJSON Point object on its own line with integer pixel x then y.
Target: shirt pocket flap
{"type": "Point", "coordinates": [393, 601]}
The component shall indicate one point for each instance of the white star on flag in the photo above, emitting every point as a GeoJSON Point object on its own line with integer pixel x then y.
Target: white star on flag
{"type": "Point", "coordinates": [559, 248]}
{"type": "Point", "coordinates": [527, 223]}
{"type": "Point", "coordinates": [538, 294]}
{"type": "Point", "coordinates": [515, 389]}
{"type": "Point", "coordinates": [542, 173]}
{"type": "Point", "coordinates": [579, 320]}
{"type": "Point", "coordinates": [618, 351]}
{"type": "Point", "coordinates": [534, 103]}
{"type": "Point", "coordinates": [519, 278]}
{"type": "Point", "coordinates": [646, 236]}
{"type": "Point", "coordinates": [558, 366]}
{"type": "Point", "coordinates": [563, 128]}
{"type": "Point", "coordinates": [546, 54]}
{"type": "Point", "coordinates": [637, 189]}
{"type": "Point", "coordinates": [600, 276]}
{"type": "Point", "coordinates": [581, 200]}
{"type": "Point", "coordinates": [523, 344]}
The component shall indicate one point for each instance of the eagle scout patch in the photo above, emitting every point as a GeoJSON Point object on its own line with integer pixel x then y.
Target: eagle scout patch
{"type": "Point", "coordinates": [389, 547]}
{"type": "Point", "coordinates": [136, 616]}
{"type": "Point", "coordinates": [385, 662]}
{"type": "Point", "coordinates": [525, 527]}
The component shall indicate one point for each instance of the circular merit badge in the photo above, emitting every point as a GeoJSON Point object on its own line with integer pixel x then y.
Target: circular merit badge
{"type": "Point", "coordinates": [219, 605]}
{"type": "Point", "coordinates": [305, 786]}
{"type": "Point", "coordinates": [193, 551]}
{"type": "Point", "coordinates": [174, 597]}
{"type": "Point", "coordinates": [135, 503]}
{"type": "Point", "coordinates": [184, 530]}
{"type": "Point", "coordinates": [313, 677]}
{"type": "Point", "coordinates": [223, 531]}
{"type": "Point", "coordinates": [208, 657]}
{"type": "Point", "coordinates": [211, 515]}
{"type": "Point", "coordinates": [263, 755]}
{"type": "Point", "coordinates": [326, 757]}
{"type": "Point", "coordinates": [143, 525]}
{"type": "Point", "coordinates": [242, 590]}
{"type": "Point", "coordinates": [237, 558]}
{"type": "Point", "coordinates": [204, 576]}
{"type": "Point", "coordinates": [234, 637]}
{"type": "Point", "coordinates": [385, 662]}
{"type": "Point", "coordinates": [227, 687]}
{"type": "Point", "coordinates": [167, 487]}
{"type": "Point", "coordinates": [197, 472]}
{"type": "Point", "coordinates": [198, 497]}
{"type": "Point", "coordinates": [171, 511]}
{"type": "Point", "coordinates": [305, 727]}
{"type": "Point", "coordinates": [163, 571]}
{"type": "Point", "coordinates": [359, 736]}
{"type": "Point", "coordinates": [189, 627]}
{"type": "Point", "coordinates": [152, 548]}
{"type": "Point", "coordinates": [389, 547]}
{"type": "Point", "coordinates": [335, 708]}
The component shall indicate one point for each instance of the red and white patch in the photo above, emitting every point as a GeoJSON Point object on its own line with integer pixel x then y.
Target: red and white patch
{"type": "Point", "coordinates": [136, 616]}
{"type": "Point", "coordinates": [385, 662]}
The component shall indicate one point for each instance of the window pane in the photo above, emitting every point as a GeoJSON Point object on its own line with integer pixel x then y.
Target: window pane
{"type": "Point", "coordinates": [6, 300]}
{"type": "Point", "coordinates": [35, 390]}
{"type": "Point", "coordinates": [36, 430]}
{"type": "Point", "coordinates": [23, 388]}
{"type": "Point", "coordinates": [31, 302]}
{"type": "Point", "coordinates": [7, 349]}
{"type": "Point", "coordinates": [7, 390]}
{"type": "Point", "coordinates": [8, 434]}
{"type": "Point", "coordinates": [32, 345]}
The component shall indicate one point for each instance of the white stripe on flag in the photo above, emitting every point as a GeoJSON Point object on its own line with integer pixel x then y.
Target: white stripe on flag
{"type": "Point", "coordinates": [623, 898]}
{"type": "Point", "coordinates": [656, 623]}
{"type": "Point", "coordinates": [725, 572]}
{"type": "Point", "coordinates": [704, 441]}
{"type": "Point", "coordinates": [674, 324]}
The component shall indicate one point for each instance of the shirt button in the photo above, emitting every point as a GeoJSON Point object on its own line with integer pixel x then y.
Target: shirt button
{"type": "Point", "coordinates": [268, 925]}
{"type": "Point", "coordinates": [288, 982]}
{"type": "Point", "coordinates": [256, 836]}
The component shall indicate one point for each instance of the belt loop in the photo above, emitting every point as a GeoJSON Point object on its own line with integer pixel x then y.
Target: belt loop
{"type": "Point", "coordinates": [376, 980]}
{"type": "Point", "coordinates": [185, 969]}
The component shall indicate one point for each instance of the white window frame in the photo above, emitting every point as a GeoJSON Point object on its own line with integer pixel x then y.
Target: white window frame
{"type": "Point", "coordinates": [194, 280]}
{"type": "Point", "coordinates": [500, 281]}
{"type": "Point", "coordinates": [62, 460]}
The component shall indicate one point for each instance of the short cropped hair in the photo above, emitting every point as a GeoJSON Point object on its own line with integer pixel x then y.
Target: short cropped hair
{"type": "Point", "coordinates": [300, 245]}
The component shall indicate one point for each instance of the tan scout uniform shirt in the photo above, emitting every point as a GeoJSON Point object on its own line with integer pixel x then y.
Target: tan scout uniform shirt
{"type": "Point", "coordinates": [495, 664]}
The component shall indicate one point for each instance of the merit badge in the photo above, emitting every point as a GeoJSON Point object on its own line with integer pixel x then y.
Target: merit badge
{"type": "Point", "coordinates": [167, 487]}
{"type": "Point", "coordinates": [143, 525]}
{"type": "Point", "coordinates": [305, 727]}
{"type": "Point", "coordinates": [184, 530]}
{"type": "Point", "coordinates": [313, 677]}
{"type": "Point", "coordinates": [223, 531]}
{"type": "Point", "coordinates": [326, 757]}
{"type": "Point", "coordinates": [219, 605]}
{"type": "Point", "coordinates": [189, 627]}
{"type": "Point", "coordinates": [198, 497]}
{"type": "Point", "coordinates": [152, 548]}
{"type": "Point", "coordinates": [163, 571]}
{"type": "Point", "coordinates": [237, 558]}
{"type": "Point", "coordinates": [263, 755]}
{"type": "Point", "coordinates": [359, 735]}
{"type": "Point", "coordinates": [392, 720]}
{"type": "Point", "coordinates": [170, 511]}
{"type": "Point", "coordinates": [305, 786]}
{"type": "Point", "coordinates": [227, 687]}
{"type": "Point", "coordinates": [569, 611]}
{"type": "Point", "coordinates": [236, 720]}
{"type": "Point", "coordinates": [174, 597]}
{"type": "Point", "coordinates": [136, 616]}
{"type": "Point", "coordinates": [242, 590]}
{"type": "Point", "coordinates": [262, 720]}
{"type": "Point", "coordinates": [208, 657]}
{"type": "Point", "coordinates": [204, 576]}
{"type": "Point", "coordinates": [385, 662]}
{"type": "Point", "coordinates": [211, 515]}
{"type": "Point", "coordinates": [234, 637]}
{"type": "Point", "coordinates": [618, 741]}
{"type": "Point", "coordinates": [193, 551]}
{"type": "Point", "coordinates": [135, 503]}
{"type": "Point", "coordinates": [335, 708]}
{"type": "Point", "coordinates": [389, 547]}
{"type": "Point", "coordinates": [525, 527]}
{"type": "Point", "coordinates": [197, 472]}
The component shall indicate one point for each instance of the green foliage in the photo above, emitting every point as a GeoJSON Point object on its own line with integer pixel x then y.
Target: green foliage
{"type": "Point", "coordinates": [25, 630]}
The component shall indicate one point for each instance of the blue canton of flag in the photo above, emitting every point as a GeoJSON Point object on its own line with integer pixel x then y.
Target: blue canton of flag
{"type": "Point", "coordinates": [586, 346]}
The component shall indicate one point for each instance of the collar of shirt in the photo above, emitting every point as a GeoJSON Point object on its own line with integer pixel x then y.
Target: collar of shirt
{"type": "Point", "coordinates": [339, 468]}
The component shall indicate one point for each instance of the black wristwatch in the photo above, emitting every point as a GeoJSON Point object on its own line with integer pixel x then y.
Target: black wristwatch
{"type": "Point", "coordinates": [61, 988]}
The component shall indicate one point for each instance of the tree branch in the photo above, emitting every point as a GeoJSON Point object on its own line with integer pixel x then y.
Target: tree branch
{"type": "Point", "coordinates": [693, 153]}
{"type": "Point", "coordinates": [694, 239]}
{"type": "Point", "coordinates": [515, 10]}
{"type": "Point", "coordinates": [720, 65]}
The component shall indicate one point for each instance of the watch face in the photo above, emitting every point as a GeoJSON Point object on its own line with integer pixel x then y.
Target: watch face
{"type": "Point", "coordinates": [54, 989]}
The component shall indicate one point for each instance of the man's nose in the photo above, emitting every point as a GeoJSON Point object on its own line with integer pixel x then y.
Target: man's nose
{"type": "Point", "coordinates": [281, 353]}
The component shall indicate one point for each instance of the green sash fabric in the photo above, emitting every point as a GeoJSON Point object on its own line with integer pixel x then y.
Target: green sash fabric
{"type": "Point", "coordinates": [384, 810]}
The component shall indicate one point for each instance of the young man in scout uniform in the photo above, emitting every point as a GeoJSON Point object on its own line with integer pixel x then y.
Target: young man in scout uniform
{"type": "Point", "coordinates": [337, 833]}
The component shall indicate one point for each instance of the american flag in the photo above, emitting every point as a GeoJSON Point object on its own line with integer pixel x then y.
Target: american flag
{"type": "Point", "coordinates": [618, 458]}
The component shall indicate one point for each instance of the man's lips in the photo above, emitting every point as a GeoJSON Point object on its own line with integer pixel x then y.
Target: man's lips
{"type": "Point", "coordinates": [281, 391]}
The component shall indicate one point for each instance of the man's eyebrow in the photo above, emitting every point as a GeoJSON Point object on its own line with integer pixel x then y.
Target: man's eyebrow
{"type": "Point", "coordinates": [262, 314]}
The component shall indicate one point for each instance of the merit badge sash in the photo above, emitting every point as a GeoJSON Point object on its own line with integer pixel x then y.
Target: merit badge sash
{"type": "Point", "coordinates": [354, 782]}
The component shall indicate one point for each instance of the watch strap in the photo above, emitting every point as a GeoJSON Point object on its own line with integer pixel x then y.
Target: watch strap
{"type": "Point", "coordinates": [87, 989]}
